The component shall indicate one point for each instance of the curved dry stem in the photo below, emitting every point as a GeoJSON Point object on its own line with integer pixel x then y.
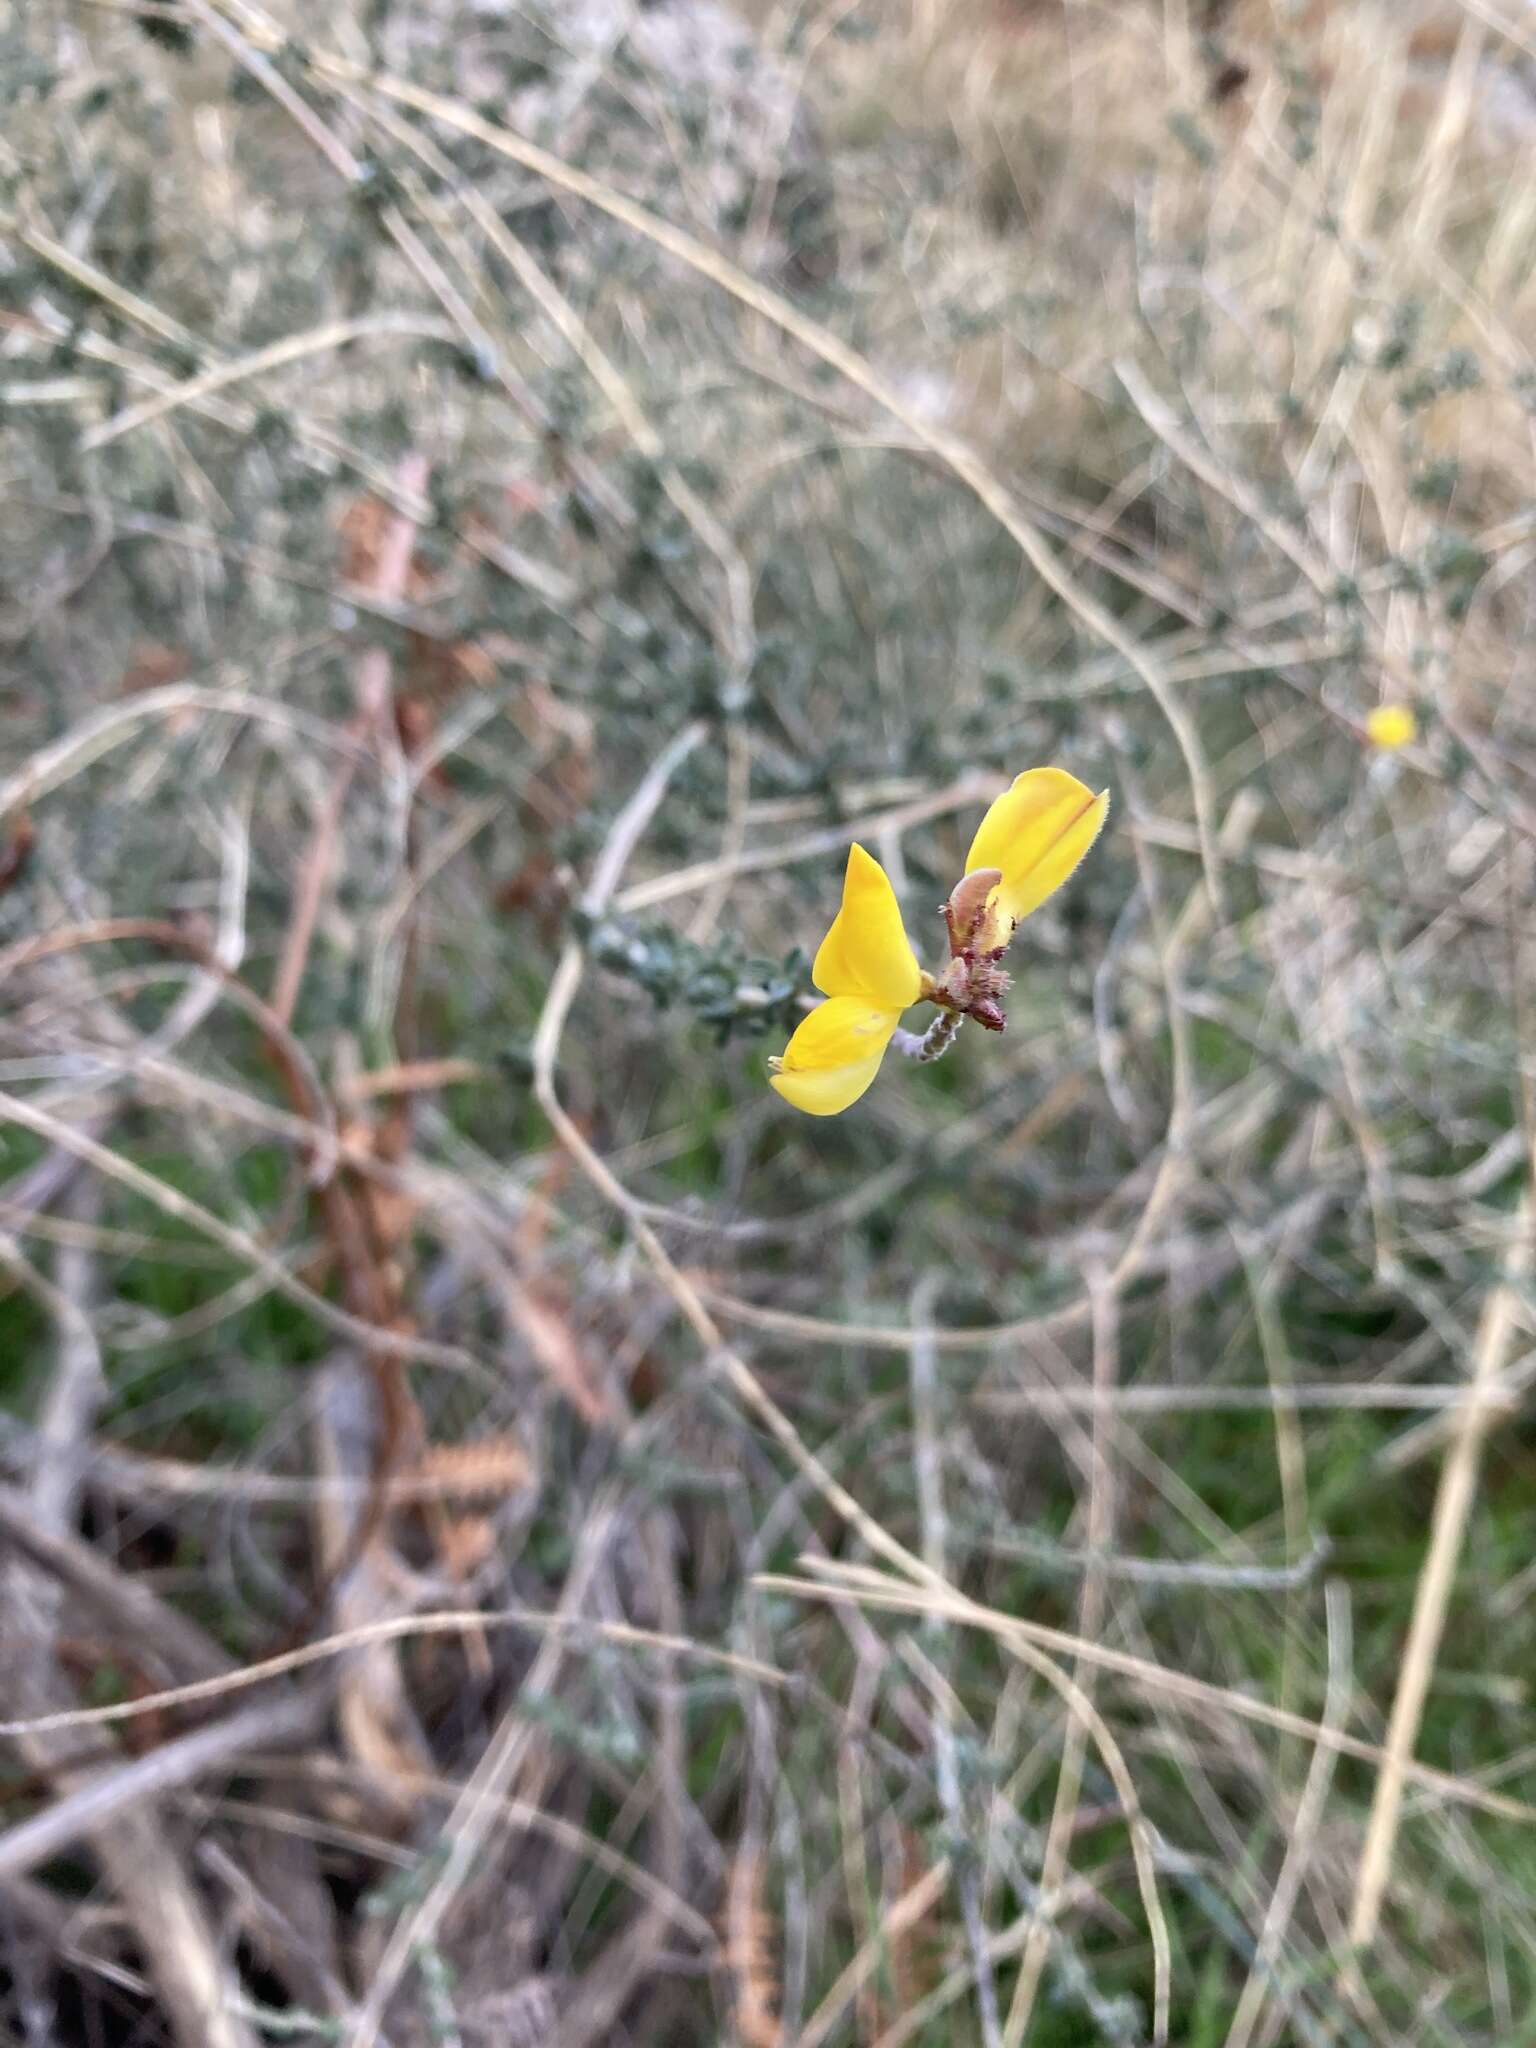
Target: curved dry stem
{"type": "Point", "coordinates": [96, 736]}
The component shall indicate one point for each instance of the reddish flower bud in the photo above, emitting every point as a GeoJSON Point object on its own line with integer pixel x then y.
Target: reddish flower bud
{"type": "Point", "coordinates": [966, 911]}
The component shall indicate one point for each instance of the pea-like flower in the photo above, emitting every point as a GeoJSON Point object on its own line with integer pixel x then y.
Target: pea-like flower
{"type": "Point", "coordinates": [1029, 842]}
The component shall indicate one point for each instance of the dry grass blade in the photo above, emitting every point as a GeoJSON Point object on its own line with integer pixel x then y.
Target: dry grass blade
{"type": "Point", "coordinates": [878, 1590]}
{"type": "Point", "coordinates": [396, 1628]}
{"type": "Point", "coordinates": [1261, 1985]}
{"type": "Point", "coordinates": [904, 1913]}
{"type": "Point", "coordinates": [109, 1794]}
{"type": "Point", "coordinates": [1091, 1611]}
{"type": "Point", "coordinates": [109, 1806]}
{"type": "Point", "coordinates": [1453, 1506]}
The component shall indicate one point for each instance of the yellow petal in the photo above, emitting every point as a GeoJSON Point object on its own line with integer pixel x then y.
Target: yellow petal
{"type": "Point", "coordinates": [846, 1028]}
{"type": "Point", "coordinates": [867, 952]}
{"type": "Point", "coordinates": [834, 1055]}
{"type": "Point", "coordinates": [1035, 834]}
{"type": "Point", "coordinates": [829, 1093]}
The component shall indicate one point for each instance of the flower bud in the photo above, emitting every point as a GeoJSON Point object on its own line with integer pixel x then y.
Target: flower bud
{"type": "Point", "coordinates": [967, 912]}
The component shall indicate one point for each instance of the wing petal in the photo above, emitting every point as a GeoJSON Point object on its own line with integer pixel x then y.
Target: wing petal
{"type": "Point", "coordinates": [867, 952]}
{"type": "Point", "coordinates": [834, 1055]}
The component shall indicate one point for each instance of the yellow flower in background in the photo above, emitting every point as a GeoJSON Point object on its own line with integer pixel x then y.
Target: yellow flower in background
{"type": "Point", "coordinates": [1030, 841]}
{"type": "Point", "coordinates": [867, 967]}
{"type": "Point", "coordinates": [1391, 726]}
{"type": "Point", "coordinates": [1033, 836]}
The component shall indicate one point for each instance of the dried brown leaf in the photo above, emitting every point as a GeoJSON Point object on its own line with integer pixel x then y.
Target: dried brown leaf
{"type": "Point", "coordinates": [486, 1470]}
{"type": "Point", "coordinates": [464, 1542]}
{"type": "Point", "coordinates": [547, 1331]}
{"type": "Point", "coordinates": [749, 1938]}
{"type": "Point", "coordinates": [15, 855]}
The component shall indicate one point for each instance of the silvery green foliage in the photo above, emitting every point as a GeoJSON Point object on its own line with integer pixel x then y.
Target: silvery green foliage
{"type": "Point", "coordinates": [676, 103]}
{"type": "Point", "coordinates": [717, 983]}
{"type": "Point", "coordinates": [212, 547]}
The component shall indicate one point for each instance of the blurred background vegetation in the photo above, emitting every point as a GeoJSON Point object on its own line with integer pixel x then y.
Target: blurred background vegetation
{"type": "Point", "coordinates": [495, 495]}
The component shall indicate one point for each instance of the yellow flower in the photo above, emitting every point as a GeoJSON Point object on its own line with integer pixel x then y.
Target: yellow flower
{"type": "Point", "coordinates": [1029, 843]}
{"type": "Point", "coordinates": [867, 967]}
{"type": "Point", "coordinates": [1391, 726]}
{"type": "Point", "coordinates": [1033, 836]}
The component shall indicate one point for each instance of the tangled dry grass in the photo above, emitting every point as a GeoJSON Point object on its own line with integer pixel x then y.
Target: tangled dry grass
{"type": "Point", "coordinates": [508, 1536]}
